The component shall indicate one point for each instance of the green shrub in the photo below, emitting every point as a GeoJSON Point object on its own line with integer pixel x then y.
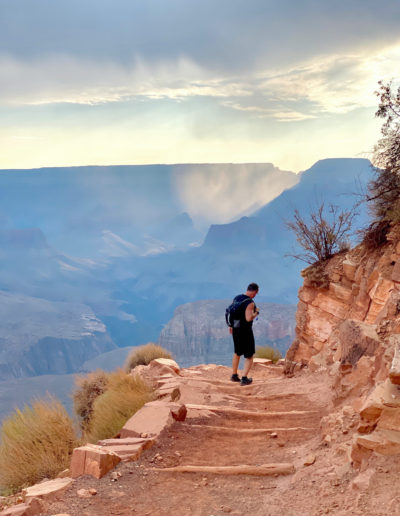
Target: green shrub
{"type": "Point", "coordinates": [124, 396]}
{"type": "Point", "coordinates": [36, 443]}
{"type": "Point", "coordinates": [143, 355]}
{"type": "Point", "coordinates": [268, 352]}
{"type": "Point", "coordinates": [88, 388]}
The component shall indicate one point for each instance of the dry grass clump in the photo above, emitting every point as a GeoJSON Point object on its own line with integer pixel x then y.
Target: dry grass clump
{"type": "Point", "coordinates": [268, 352]}
{"type": "Point", "coordinates": [143, 355]}
{"type": "Point", "coordinates": [316, 276]}
{"type": "Point", "coordinates": [36, 443]}
{"type": "Point", "coordinates": [88, 388]}
{"type": "Point", "coordinates": [124, 396]}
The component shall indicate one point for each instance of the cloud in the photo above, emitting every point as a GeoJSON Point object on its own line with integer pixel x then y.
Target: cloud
{"type": "Point", "coordinates": [220, 193]}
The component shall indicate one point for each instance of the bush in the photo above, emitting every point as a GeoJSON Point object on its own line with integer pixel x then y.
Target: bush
{"type": "Point", "coordinates": [143, 355]}
{"type": "Point", "coordinates": [124, 396]}
{"type": "Point", "coordinates": [268, 352]}
{"type": "Point", "coordinates": [36, 443]}
{"type": "Point", "coordinates": [323, 234]}
{"type": "Point", "coordinates": [88, 388]}
{"type": "Point", "coordinates": [384, 189]}
{"type": "Point", "coordinates": [316, 276]}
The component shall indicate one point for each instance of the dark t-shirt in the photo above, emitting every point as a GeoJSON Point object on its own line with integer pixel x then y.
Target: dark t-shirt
{"type": "Point", "coordinates": [243, 337]}
{"type": "Point", "coordinates": [245, 301]}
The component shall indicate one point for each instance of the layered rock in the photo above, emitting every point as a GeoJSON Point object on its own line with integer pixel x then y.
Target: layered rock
{"type": "Point", "coordinates": [348, 323]}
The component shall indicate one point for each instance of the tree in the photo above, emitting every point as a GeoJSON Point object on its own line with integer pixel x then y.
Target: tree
{"type": "Point", "coordinates": [384, 189]}
{"type": "Point", "coordinates": [323, 235]}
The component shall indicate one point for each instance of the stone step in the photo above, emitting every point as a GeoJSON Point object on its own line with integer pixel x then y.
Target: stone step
{"type": "Point", "coordinates": [262, 470]}
{"type": "Point", "coordinates": [129, 448]}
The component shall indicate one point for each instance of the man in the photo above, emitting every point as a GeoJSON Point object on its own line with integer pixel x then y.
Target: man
{"type": "Point", "coordinates": [242, 333]}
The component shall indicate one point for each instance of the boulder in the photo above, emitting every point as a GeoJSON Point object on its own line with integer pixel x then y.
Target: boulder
{"type": "Point", "coordinates": [151, 419]}
{"type": "Point", "coordinates": [165, 362]}
{"type": "Point", "coordinates": [92, 460]}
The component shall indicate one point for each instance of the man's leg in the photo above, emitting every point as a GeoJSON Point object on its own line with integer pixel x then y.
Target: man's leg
{"type": "Point", "coordinates": [247, 365]}
{"type": "Point", "coordinates": [235, 363]}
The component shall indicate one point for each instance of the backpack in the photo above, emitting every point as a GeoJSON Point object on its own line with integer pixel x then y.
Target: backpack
{"type": "Point", "coordinates": [234, 313]}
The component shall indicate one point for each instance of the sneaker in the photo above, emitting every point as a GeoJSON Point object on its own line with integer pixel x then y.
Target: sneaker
{"type": "Point", "coordinates": [245, 380]}
{"type": "Point", "coordinates": [235, 378]}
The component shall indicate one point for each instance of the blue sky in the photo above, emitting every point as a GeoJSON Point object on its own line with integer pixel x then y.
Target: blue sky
{"type": "Point", "coordinates": [182, 81]}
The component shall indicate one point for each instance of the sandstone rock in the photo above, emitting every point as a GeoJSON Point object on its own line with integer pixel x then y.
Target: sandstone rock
{"type": "Point", "coordinates": [47, 490]}
{"type": "Point", "coordinates": [151, 419]}
{"type": "Point", "coordinates": [363, 480]}
{"type": "Point", "coordinates": [92, 460]}
{"type": "Point", "coordinates": [165, 362]}
{"type": "Point", "coordinates": [357, 339]}
{"type": "Point", "coordinates": [178, 411]}
{"type": "Point", "coordinates": [394, 373]}
{"type": "Point", "coordinates": [389, 419]}
{"type": "Point", "coordinates": [84, 493]}
{"type": "Point", "coordinates": [384, 394]}
{"type": "Point", "coordinates": [340, 292]}
{"type": "Point", "coordinates": [330, 305]}
{"type": "Point", "coordinates": [64, 474]}
{"type": "Point", "coordinates": [385, 442]}
{"type": "Point", "coordinates": [31, 508]}
{"type": "Point", "coordinates": [349, 269]}
{"type": "Point", "coordinates": [309, 460]}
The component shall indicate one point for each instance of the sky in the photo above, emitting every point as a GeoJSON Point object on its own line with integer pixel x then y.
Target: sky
{"type": "Point", "coordinates": [99, 82]}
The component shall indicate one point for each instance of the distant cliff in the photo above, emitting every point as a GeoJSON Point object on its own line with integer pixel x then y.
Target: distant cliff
{"type": "Point", "coordinates": [40, 337]}
{"type": "Point", "coordinates": [198, 330]}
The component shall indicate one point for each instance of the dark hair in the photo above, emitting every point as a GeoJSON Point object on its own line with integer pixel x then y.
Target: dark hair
{"type": "Point", "coordinates": [253, 287]}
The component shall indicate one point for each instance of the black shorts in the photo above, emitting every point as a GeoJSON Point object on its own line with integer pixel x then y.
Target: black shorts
{"type": "Point", "coordinates": [243, 340]}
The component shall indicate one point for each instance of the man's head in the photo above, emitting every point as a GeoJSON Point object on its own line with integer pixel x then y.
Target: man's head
{"type": "Point", "coordinates": [252, 290]}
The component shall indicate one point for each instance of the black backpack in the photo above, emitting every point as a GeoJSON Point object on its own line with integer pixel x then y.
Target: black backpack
{"type": "Point", "coordinates": [234, 313]}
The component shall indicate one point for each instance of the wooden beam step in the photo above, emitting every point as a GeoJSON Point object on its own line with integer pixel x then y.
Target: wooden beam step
{"type": "Point", "coordinates": [262, 470]}
{"type": "Point", "coordinates": [251, 431]}
{"type": "Point", "coordinates": [231, 410]}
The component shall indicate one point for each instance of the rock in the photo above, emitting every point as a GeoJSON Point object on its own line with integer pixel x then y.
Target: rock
{"type": "Point", "coordinates": [92, 460]}
{"type": "Point", "coordinates": [47, 490]}
{"type": "Point", "coordinates": [362, 481]}
{"type": "Point", "coordinates": [64, 474]}
{"type": "Point", "coordinates": [166, 362]}
{"type": "Point", "coordinates": [357, 339]}
{"type": "Point", "coordinates": [309, 460]}
{"type": "Point", "coordinates": [31, 508]}
{"type": "Point", "coordinates": [93, 491]}
{"type": "Point", "coordinates": [389, 419]}
{"type": "Point", "coordinates": [178, 411]}
{"type": "Point", "coordinates": [84, 493]}
{"type": "Point", "coordinates": [385, 442]}
{"type": "Point", "coordinates": [274, 435]}
{"type": "Point", "coordinates": [115, 475]}
{"type": "Point", "coordinates": [349, 269]}
{"type": "Point", "coordinates": [394, 373]}
{"type": "Point", "coordinates": [151, 419]}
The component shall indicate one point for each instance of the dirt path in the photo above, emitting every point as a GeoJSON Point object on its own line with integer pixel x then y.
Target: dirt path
{"type": "Point", "coordinates": [274, 421]}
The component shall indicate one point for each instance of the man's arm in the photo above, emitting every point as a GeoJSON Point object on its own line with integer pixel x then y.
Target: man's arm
{"type": "Point", "coordinates": [250, 314]}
